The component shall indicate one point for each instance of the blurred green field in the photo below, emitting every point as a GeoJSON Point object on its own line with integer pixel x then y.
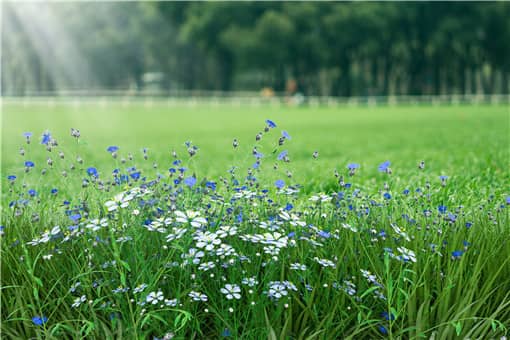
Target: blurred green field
{"type": "Point", "coordinates": [467, 141]}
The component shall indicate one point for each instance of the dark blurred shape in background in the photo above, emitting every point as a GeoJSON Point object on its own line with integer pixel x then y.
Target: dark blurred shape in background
{"type": "Point", "coordinates": [326, 49]}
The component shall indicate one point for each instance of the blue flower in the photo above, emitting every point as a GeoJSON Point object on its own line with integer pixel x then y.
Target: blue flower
{"type": "Point", "coordinates": [29, 164]}
{"type": "Point", "coordinates": [75, 217]}
{"type": "Point", "coordinates": [112, 149]}
{"type": "Point", "coordinates": [352, 166]}
{"type": "Point", "coordinates": [279, 183]}
{"type": "Point", "coordinates": [457, 254]}
{"type": "Point", "coordinates": [288, 207]}
{"type": "Point", "coordinates": [135, 175]}
{"type": "Point", "coordinates": [11, 177]}
{"type": "Point", "coordinates": [441, 209]}
{"type": "Point", "coordinates": [406, 192]}
{"type": "Point", "coordinates": [388, 316]}
{"type": "Point", "coordinates": [382, 329]}
{"type": "Point", "coordinates": [190, 181]}
{"type": "Point", "coordinates": [282, 155]}
{"type": "Point", "coordinates": [258, 155]}
{"type": "Point", "coordinates": [286, 135]}
{"type": "Point", "coordinates": [54, 191]}
{"type": "Point", "coordinates": [508, 200]}
{"type": "Point", "coordinates": [32, 192]}
{"type": "Point", "coordinates": [39, 320]}
{"type": "Point", "coordinates": [27, 134]}
{"type": "Point", "coordinates": [226, 333]}
{"type": "Point", "coordinates": [324, 234]}
{"type": "Point", "coordinates": [211, 185]}
{"type": "Point", "coordinates": [383, 167]}
{"type": "Point", "coordinates": [270, 123]}
{"type": "Point", "coordinates": [387, 195]}
{"type": "Point", "coordinates": [91, 171]}
{"type": "Point", "coordinates": [256, 165]}
{"type": "Point", "coordinates": [443, 178]}
{"type": "Point", "coordinates": [46, 137]}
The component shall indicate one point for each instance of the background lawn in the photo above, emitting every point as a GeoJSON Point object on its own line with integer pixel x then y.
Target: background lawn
{"type": "Point", "coordinates": [466, 141]}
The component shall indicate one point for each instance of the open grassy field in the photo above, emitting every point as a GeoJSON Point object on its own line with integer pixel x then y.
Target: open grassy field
{"type": "Point", "coordinates": [345, 244]}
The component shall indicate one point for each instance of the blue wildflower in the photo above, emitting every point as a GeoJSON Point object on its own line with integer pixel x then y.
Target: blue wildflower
{"type": "Point", "coordinates": [352, 166]}
{"type": "Point", "coordinates": [135, 175]}
{"type": "Point", "coordinates": [441, 209]}
{"type": "Point", "coordinates": [282, 155]}
{"type": "Point", "coordinates": [226, 333]}
{"type": "Point", "coordinates": [75, 217]}
{"type": "Point", "coordinates": [91, 171]}
{"type": "Point", "coordinates": [270, 123]}
{"type": "Point", "coordinates": [388, 316]}
{"type": "Point", "coordinates": [288, 207]}
{"type": "Point", "coordinates": [211, 185]}
{"type": "Point", "coordinates": [39, 320]}
{"type": "Point", "coordinates": [387, 195]}
{"type": "Point", "coordinates": [324, 234]}
{"type": "Point", "coordinates": [46, 137]}
{"type": "Point", "coordinates": [457, 254]}
{"type": "Point", "coordinates": [190, 181]}
{"type": "Point", "coordinates": [27, 135]}
{"type": "Point", "coordinates": [508, 200]}
{"type": "Point", "coordinates": [256, 165]}
{"type": "Point", "coordinates": [32, 192]}
{"type": "Point", "coordinates": [406, 192]}
{"type": "Point", "coordinates": [29, 164]}
{"type": "Point", "coordinates": [11, 177]}
{"type": "Point", "coordinates": [54, 191]}
{"type": "Point", "coordinates": [286, 135]}
{"type": "Point", "coordinates": [382, 329]}
{"type": "Point", "coordinates": [112, 149]}
{"type": "Point", "coordinates": [468, 224]}
{"type": "Point", "coordinates": [383, 167]}
{"type": "Point", "coordinates": [279, 183]}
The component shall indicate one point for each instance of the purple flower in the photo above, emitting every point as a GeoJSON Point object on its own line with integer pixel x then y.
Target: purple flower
{"type": "Point", "coordinates": [352, 166]}
{"type": "Point", "coordinates": [39, 320]}
{"type": "Point", "coordinates": [270, 123]}
{"type": "Point", "coordinates": [383, 167]}
{"type": "Point", "coordinates": [282, 155]}
{"type": "Point", "coordinates": [190, 181]}
{"type": "Point", "coordinates": [508, 200]}
{"type": "Point", "coordinates": [27, 134]}
{"type": "Point", "coordinates": [286, 135]}
{"type": "Point", "coordinates": [279, 184]}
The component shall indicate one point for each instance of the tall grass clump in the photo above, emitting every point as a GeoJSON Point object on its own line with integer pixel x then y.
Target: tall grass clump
{"type": "Point", "coordinates": [138, 250]}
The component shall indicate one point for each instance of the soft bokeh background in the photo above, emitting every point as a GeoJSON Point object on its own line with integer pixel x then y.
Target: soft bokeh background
{"type": "Point", "coordinates": [334, 75]}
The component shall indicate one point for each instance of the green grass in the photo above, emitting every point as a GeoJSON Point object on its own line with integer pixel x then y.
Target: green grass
{"type": "Point", "coordinates": [436, 296]}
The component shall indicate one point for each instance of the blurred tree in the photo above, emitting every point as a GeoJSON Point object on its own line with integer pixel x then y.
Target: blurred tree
{"type": "Point", "coordinates": [329, 48]}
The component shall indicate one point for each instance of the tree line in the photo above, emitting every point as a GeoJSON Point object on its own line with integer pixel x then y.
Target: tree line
{"type": "Point", "coordinates": [327, 48]}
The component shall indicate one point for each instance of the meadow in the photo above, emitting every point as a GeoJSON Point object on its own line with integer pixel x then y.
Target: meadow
{"type": "Point", "coordinates": [171, 221]}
